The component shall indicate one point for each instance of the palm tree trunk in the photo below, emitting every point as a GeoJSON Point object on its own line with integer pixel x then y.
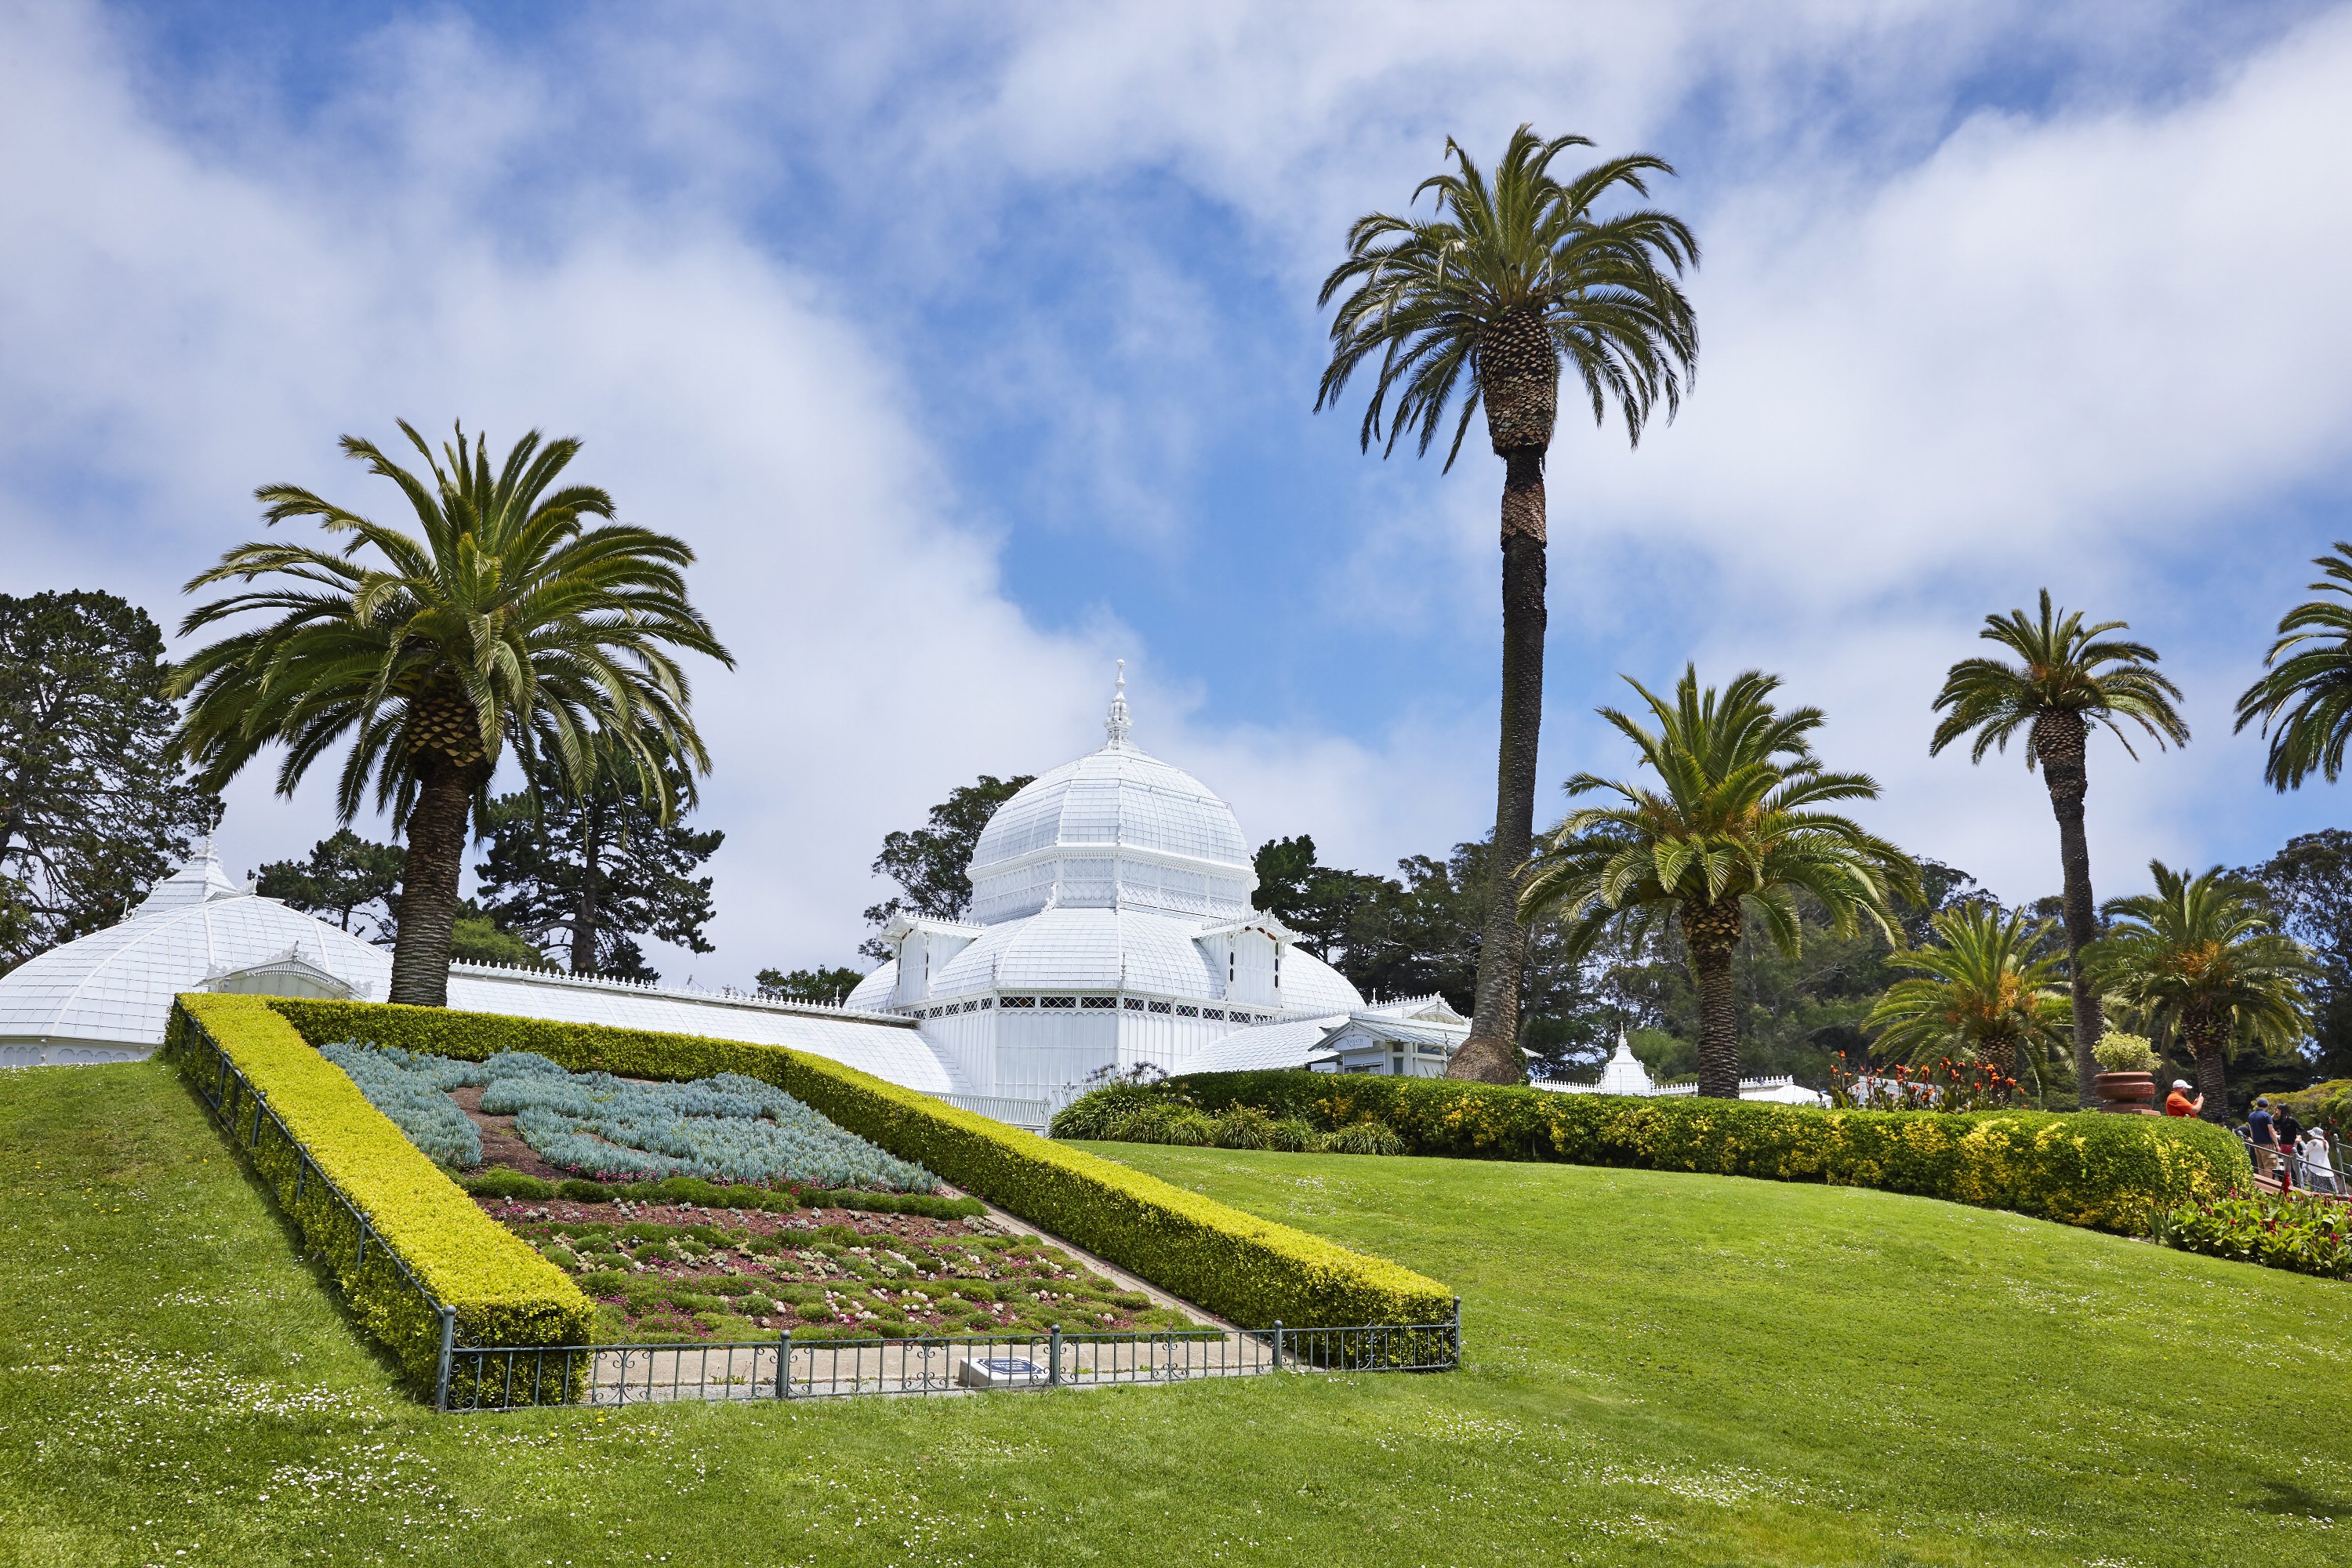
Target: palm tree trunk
{"type": "Point", "coordinates": [429, 886]}
{"type": "Point", "coordinates": [2059, 741]}
{"type": "Point", "coordinates": [2206, 1043]}
{"type": "Point", "coordinates": [1491, 1054]}
{"type": "Point", "coordinates": [1711, 933]}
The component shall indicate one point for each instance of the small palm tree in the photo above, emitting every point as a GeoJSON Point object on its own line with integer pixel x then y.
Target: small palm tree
{"type": "Point", "coordinates": [1479, 306]}
{"type": "Point", "coordinates": [503, 622]}
{"type": "Point", "coordinates": [2306, 689]}
{"type": "Point", "coordinates": [2067, 678]}
{"type": "Point", "coordinates": [1733, 828]}
{"type": "Point", "coordinates": [2204, 959]}
{"type": "Point", "coordinates": [1985, 992]}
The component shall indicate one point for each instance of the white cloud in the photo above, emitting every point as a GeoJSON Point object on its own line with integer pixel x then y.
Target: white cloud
{"type": "Point", "coordinates": [1942, 366]}
{"type": "Point", "coordinates": [181, 327]}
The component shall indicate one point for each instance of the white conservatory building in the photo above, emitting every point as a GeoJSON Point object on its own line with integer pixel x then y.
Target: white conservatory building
{"type": "Point", "coordinates": [1111, 928]}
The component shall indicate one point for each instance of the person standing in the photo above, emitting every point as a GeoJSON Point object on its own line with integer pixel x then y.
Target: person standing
{"type": "Point", "coordinates": [2262, 1137]}
{"type": "Point", "coordinates": [2287, 1128]}
{"type": "Point", "coordinates": [2319, 1173]}
{"type": "Point", "coordinates": [2178, 1102]}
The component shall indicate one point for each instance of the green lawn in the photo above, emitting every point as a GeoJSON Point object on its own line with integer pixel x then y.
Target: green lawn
{"type": "Point", "coordinates": [1663, 1369]}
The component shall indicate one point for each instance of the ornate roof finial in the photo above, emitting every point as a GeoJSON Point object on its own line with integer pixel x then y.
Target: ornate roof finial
{"type": "Point", "coordinates": [1117, 726]}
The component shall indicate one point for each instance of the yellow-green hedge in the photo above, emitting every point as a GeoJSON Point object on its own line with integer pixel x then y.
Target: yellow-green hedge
{"type": "Point", "coordinates": [1245, 1269]}
{"type": "Point", "coordinates": [504, 1292]}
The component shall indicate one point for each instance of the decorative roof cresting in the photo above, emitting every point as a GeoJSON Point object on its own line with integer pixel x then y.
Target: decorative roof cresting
{"type": "Point", "coordinates": [1116, 725]}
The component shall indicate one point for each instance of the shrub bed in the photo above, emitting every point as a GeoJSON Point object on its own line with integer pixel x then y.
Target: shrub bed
{"type": "Point", "coordinates": [503, 1291]}
{"type": "Point", "coordinates": [2108, 1172]}
{"type": "Point", "coordinates": [1245, 1269]}
{"type": "Point", "coordinates": [2307, 1235]}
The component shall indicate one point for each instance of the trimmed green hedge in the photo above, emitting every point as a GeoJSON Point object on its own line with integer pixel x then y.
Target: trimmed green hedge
{"type": "Point", "coordinates": [1245, 1269]}
{"type": "Point", "coordinates": [2108, 1172]}
{"type": "Point", "coordinates": [504, 1292]}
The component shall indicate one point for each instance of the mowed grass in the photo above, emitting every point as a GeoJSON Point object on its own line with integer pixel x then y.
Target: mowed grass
{"type": "Point", "coordinates": [1661, 1370]}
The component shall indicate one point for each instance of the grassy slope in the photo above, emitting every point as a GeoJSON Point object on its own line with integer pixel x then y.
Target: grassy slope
{"type": "Point", "coordinates": [1664, 1369]}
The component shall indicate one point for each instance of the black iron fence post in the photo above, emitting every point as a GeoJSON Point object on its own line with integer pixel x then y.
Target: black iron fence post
{"type": "Point", "coordinates": [1457, 1331]}
{"type": "Point", "coordinates": [1277, 1344]}
{"type": "Point", "coordinates": [1053, 1358]}
{"type": "Point", "coordinates": [784, 1365]}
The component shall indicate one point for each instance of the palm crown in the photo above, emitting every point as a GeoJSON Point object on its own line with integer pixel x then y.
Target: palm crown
{"type": "Point", "coordinates": [2204, 957]}
{"type": "Point", "coordinates": [2064, 670]}
{"type": "Point", "coordinates": [1735, 822]}
{"type": "Point", "coordinates": [502, 621]}
{"type": "Point", "coordinates": [2306, 691]}
{"type": "Point", "coordinates": [1513, 276]}
{"type": "Point", "coordinates": [1985, 991]}
{"type": "Point", "coordinates": [1734, 825]}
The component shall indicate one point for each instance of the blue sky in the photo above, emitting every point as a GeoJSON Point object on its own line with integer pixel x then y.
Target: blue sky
{"type": "Point", "coordinates": [975, 346]}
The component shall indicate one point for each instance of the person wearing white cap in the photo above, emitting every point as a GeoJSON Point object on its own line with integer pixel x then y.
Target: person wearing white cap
{"type": "Point", "coordinates": [2178, 1102]}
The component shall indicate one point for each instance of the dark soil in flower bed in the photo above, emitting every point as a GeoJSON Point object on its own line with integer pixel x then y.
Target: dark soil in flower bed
{"type": "Point", "coordinates": [501, 1145]}
{"type": "Point", "coordinates": [664, 1271]}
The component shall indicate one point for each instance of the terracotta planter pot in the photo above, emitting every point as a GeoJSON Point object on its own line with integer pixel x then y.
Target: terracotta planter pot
{"type": "Point", "coordinates": [2129, 1093]}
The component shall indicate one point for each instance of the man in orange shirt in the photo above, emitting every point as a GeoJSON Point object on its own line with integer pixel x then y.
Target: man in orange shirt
{"type": "Point", "coordinates": [2178, 1102]}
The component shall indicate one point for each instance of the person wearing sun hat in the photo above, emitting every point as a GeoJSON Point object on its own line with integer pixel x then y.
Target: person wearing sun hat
{"type": "Point", "coordinates": [2178, 1102]}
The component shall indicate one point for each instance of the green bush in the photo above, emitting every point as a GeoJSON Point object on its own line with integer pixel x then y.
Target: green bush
{"type": "Point", "coordinates": [504, 1294]}
{"type": "Point", "coordinates": [2308, 1236]}
{"type": "Point", "coordinates": [501, 1182]}
{"type": "Point", "coordinates": [2109, 1172]}
{"type": "Point", "coordinates": [1360, 1138]}
{"type": "Point", "coordinates": [1233, 1264]}
{"type": "Point", "coordinates": [580, 1190]}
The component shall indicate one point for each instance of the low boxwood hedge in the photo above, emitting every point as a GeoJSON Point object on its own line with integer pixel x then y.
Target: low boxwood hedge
{"type": "Point", "coordinates": [1247, 1269]}
{"type": "Point", "coordinates": [2109, 1172]}
{"type": "Point", "coordinates": [503, 1291]}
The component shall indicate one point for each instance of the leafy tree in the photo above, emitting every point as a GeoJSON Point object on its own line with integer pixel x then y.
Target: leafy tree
{"type": "Point", "coordinates": [808, 985]}
{"type": "Point", "coordinates": [1480, 305]}
{"type": "Point", "coordinates": [1419, 934]}
{"type": "Point", "coordinates": [1980, 993]}
{"type": "Point", "coordinates": [92, 808]}
{"type": "Point", "coordinates": [2309, 886]}
{"type": "Point", "coordinates": [1333, 912]}
{"type": "Point", "coordinates": [346, 878]}
{"type": "Point", "coordinates": [1734, 829]}
{"type": "Point", "coordinates": [2067, 678]}
{"type": "Point", "coordinates": [591, 872]}
{"type": "Point", "coordinates": [2204, 960]}
{"type": "Point", "coordinates": [928, 862]}
{"type": "Point", "coordinates": [504, 621]}
{"type": "Point", "coordinates": [476, 937]}
{"type": "Point", "coordinates": [2304, 701]}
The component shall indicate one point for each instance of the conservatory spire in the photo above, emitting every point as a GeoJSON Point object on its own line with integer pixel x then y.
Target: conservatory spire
{"type": "Point", "coordinates": [1116, 725]}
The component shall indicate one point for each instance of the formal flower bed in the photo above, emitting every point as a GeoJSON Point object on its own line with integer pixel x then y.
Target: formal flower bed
{"type": "Point", "coordinates": [726, 1128]}
{"type": "Point", "coordinates": [2308, 1236]}
{"type": "Point", "coordinates": [666, 1271]}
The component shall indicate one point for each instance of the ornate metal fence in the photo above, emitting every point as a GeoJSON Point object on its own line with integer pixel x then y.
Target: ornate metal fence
{"type": "Point", "coordinates": [507, 1378]}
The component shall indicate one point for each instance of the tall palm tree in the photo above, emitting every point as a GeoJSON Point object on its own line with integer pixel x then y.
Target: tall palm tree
{"type": "Point", "coordinates": [1986, 992]}
{"type": "Point", "coordinates": [2204, 958]}
{"type": "Point", "coordinates": [1733, 828]}
{"type": "Point", "coordinates": [2306, 687]}
{"type": "Point", "coordinates": [504, 621]}
{"type": "Point", "coordinates": [2068, 677]}
{"type": "Point", "coordinates": [1479, 306]}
